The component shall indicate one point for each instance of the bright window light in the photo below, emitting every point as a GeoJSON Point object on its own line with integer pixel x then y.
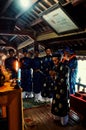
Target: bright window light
{"type": "Point", "coordinates": [25, 4]}
{"type": "Point", "coordinates": [82, 71]}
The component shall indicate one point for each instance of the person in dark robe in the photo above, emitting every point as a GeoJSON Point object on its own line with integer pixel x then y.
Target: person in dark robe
{"type": "Point", "coordinates": [47, 83]}
{"type": "Point", "coordinates": [26, 80]}
{"type": "Point", "coordinates": [10, 63]}
{"type": "Point", "coordinates": [60, 102]}
{"type": "Point", "coordinates": [37, 77]}
{"type": "Point", "coordinates": [72, 62]}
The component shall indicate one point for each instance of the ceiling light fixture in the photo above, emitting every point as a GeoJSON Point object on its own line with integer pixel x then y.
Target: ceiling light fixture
{"type": "Point", "coordinates": [25, 4]}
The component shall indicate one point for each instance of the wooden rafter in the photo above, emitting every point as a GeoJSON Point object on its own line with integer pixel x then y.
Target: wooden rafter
{"type": "Point", "coordinates": [48, 2]}
{"type": "Point", "coordinates": [6, 6]}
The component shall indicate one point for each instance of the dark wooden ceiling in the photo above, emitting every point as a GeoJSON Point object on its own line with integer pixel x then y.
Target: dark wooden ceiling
{"type": "Point", "coordinates": [20, 28]}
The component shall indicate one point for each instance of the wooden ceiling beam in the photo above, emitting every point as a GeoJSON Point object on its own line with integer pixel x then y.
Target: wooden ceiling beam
{"type": "Point", "coordinates": [8, 45]}
{"type": "Point", "coordinates": [53, 36]}
{"type": "Point", "coordinates": [48, 3]}
{"type": "Point", "coordinates": [76, 2]}
{"type": "Point", "coordinates": [8, 2]}
{"type": "Point", "coordinates": [37, 21]}
{"type": "Point", "coordinates": [22, 32]}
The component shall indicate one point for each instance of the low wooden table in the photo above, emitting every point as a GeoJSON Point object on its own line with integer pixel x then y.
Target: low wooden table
{"type": "Point", "coordinates": [11, 103]}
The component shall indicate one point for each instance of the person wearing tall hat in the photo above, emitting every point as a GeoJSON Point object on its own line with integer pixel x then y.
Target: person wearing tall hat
{"type": "Point", "coordinates": [47, 66]}
{"type": "Point", "coordinates": [10, 63]}
{"type": "Point", "coordinates": [60, 105]}
{"type": "Point", "coordinates": [72, 62]}
{"type": "Point", "coordinates": [26, 80]}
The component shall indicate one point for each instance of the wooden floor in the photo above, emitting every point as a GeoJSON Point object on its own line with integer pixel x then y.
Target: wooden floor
{"type": "Point", "coordinates": [40, 118]}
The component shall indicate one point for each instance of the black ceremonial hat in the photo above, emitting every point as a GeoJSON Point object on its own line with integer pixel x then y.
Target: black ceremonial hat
{"type": "Point", "coordinates": [25, 50]}
{"type": "Point", "coordinates": [57, 55]}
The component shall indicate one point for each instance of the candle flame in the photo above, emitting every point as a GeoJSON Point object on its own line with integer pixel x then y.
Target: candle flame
{"type": "Point", "coordinates": [17, 66]}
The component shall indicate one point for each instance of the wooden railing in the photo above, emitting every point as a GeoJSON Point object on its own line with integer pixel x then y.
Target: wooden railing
{"type": "Point", "coordinates": [81, 87]}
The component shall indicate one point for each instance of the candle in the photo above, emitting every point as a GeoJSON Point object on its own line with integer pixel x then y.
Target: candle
{"type": "Point", "coordinates": [19, 75]}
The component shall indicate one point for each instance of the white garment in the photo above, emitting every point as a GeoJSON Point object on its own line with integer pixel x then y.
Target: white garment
{"type": "Point", "coordinates": [38, 97]}
{"type": "Point", "coordinates": [24, 94]}
{"type": "Point", "coordinates": [27, 94]}
{"type": "Point", "coordinates": [64, 120]}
